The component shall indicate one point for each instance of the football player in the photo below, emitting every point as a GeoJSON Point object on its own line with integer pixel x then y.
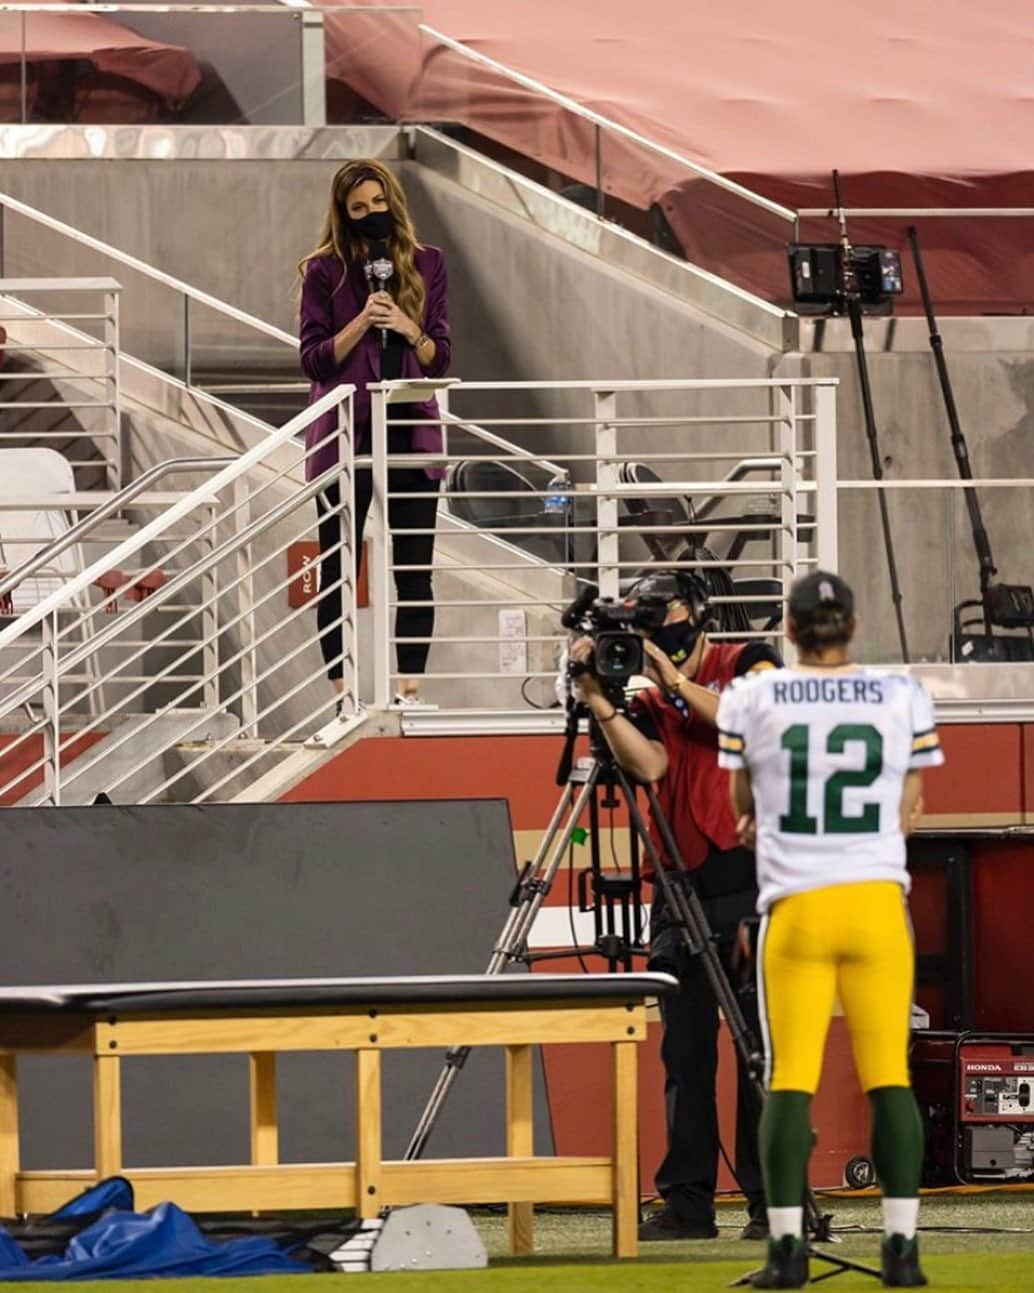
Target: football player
{"type": "Point", "coordinates": [826, 761]}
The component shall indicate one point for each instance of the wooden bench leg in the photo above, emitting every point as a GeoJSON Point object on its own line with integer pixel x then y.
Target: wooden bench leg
{"type": "Point", "coordinates": [107, 1116]}
{"type": "Point", "coordinates": [368, 1133]}
{"type": "Point", "coordinates": [265, 1134]}
{"type": "Point", "coordinates": [626, 1155]}
{"type": "Point", "coordinates": [520, 1140]}
{"type": "Point", "coordinates": [10, 1154]}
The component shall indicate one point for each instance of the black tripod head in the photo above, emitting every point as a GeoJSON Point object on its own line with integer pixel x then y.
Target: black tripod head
{"type": "Point", "coordinates": [600, 750]}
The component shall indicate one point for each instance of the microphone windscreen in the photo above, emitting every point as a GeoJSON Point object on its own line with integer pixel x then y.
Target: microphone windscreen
{"type": "Point", "coordinates": [573, 614]}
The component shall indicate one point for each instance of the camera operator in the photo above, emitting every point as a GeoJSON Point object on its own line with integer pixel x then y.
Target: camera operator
{"type": "Point", "coordinates": [669, 737]}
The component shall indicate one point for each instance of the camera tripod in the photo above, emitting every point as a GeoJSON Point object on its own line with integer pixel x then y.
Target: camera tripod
{"type": "Point", "coordinates": [536, 881]}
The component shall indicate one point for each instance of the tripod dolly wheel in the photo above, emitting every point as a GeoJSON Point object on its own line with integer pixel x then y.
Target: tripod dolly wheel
{"type": "Point", "coordinates": [859, 1172]}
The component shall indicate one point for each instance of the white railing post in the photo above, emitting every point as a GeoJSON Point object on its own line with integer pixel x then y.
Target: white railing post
{"type": "Point", "coordinates": [313, 68]}
{"type": "Point", "coordinates": [209, 583]}
{"type": "Point", "coordinates": [349, 556]}
{"type": "Point", "coordinates": [826, 521]}
{"type": "Point", "coordinates": [787, 433]}
{"type": "Point", "coordinates": [246, 612]}
{"type": "Point", "coordinates": [111, 384]}
{"type": "Point", "coordinates": [446, 413]}
{"type": "Point", "coordinates": [51, 709]}
{"type": "Point", "coordinates": [607, 542]}
{"type": "Point", "coordinates": [380, 563]}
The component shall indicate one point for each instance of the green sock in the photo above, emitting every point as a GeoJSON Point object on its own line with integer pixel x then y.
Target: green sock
{"type": "Point", "coordinates": [897, 1140]}
{"type": "Point", "coordinates": [785, 1141]}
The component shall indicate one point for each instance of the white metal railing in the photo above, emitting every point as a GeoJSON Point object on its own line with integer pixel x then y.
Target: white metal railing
{"type": "Point", "coordinates": [96, 416]}
{"type": "Point", "coordinates": [176, 350]}
{"type": "Point", "coordinates": [918, 213]}
{"type": "Point", "coordinates": [500, 581]}
{"type": "Point", "coordinates": [195, 622]}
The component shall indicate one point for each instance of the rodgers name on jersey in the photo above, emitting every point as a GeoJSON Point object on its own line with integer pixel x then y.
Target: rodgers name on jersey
{"type": "Point", "coordinates": [827, 755]}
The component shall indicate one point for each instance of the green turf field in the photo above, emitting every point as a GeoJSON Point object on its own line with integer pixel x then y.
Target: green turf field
{"type": "Point", "coordinates": [991, 1248]}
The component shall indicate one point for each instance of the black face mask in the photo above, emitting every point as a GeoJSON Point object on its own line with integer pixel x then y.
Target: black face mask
{"type": "Point", "coordinates": [374, 227]}
{"type": "Point", "coordinates": [676, 640]}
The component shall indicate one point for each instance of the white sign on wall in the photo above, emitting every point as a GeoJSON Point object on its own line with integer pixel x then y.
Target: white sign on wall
{"type": "Point", "coordinates": [513, 642]}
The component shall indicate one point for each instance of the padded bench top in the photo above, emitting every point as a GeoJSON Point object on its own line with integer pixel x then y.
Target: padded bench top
{"type": "Point", "coordinates": [256, 994]}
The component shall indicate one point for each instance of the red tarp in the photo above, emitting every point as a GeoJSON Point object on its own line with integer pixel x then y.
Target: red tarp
{"type": "Point", "coordinates": [925, 104]}
{"type": "Point", "coordinates": [131, 78]}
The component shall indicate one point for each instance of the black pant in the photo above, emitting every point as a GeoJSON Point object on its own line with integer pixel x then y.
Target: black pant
{"type": "Point", "coordinates": [688, 1175]}
{"type": "Point", "coordinates": [409, 550]}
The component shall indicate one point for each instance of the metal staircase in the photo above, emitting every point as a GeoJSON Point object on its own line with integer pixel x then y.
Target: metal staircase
{"type": "Point", "coordinates": [196, 661]}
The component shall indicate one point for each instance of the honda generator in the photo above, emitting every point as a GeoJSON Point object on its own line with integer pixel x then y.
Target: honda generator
{"type": "Point", "coordinates": [976, 1094]}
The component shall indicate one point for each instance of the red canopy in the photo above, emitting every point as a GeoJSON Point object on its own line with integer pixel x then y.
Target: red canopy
{"type": "Point", "coordinates": [925, 104]}
{"type": "Point", "coordinates": [121, 59]}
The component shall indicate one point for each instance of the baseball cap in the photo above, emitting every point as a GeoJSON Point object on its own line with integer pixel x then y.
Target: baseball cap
{"type": "Point", "coordinates": [820, 588]}
{"type": "Point", "coordinates": [670, 584]}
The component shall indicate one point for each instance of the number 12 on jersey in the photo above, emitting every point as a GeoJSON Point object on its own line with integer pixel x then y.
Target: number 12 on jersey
{"type": "Point", "coordinates": [868, 742]}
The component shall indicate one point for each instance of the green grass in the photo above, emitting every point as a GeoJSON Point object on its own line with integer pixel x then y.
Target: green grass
{"type": "Point", "coordinates": [991, 1248]}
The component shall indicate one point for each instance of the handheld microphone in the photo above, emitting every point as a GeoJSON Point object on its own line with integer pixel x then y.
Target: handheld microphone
{"type": "Point", "coordinates": [380, 270]}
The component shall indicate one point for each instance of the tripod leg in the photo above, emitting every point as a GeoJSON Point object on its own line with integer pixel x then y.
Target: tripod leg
{"type": "Point", "coordinates": [512, 942]}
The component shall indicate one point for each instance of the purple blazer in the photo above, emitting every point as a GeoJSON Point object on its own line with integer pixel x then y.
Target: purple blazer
{"type": "Point", "coordinates": [328, 303]}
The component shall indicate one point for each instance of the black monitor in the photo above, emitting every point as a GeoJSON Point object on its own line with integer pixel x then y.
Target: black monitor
{"type": "Point", "coordinates": [817, 277]}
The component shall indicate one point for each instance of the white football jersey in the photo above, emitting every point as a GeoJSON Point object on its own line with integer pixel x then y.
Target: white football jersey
{"type": "Point", "coordinates": [827, 754]}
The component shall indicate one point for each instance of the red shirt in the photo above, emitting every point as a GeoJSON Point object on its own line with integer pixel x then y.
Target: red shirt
{"type": "Point", "coordinates": [694, 793]}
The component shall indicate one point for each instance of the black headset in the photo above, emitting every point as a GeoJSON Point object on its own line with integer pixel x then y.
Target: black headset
{"type": "Point", "coordinates": [685, 585]}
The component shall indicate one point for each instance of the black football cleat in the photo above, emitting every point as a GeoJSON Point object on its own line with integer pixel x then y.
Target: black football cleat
{"type": "Point", "coordinates": [900, 1263]}
{"type": "Point", "coordinates": [786, 1267]}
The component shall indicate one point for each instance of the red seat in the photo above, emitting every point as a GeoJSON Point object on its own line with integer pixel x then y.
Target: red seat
{"type": "Point", "coordinates": [145, 585]}
{"type": "Point", "coordinates": [109, 583]}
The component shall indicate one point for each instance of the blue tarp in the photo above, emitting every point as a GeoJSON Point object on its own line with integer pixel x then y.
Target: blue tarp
{"type": "Point", "coordinates": [131, 1245]}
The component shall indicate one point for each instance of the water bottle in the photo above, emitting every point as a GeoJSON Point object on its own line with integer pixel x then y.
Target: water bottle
{"type": "Point", "coordinates": [557, 502]}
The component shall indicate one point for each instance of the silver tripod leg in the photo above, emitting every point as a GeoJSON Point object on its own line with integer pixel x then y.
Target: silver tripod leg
{"type": "Point", "coordinates": [513, 941]}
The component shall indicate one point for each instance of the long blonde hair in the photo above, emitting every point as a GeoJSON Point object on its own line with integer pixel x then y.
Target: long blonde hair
{"type": "Point", "coordinates": [337, 238]}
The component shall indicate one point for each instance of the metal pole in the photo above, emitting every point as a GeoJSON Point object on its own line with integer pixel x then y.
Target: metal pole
{"type": "Point", "coordinates": [600, 207]}
{"type": "Point", "coordinates": [981, 542]}
{"type": "Point", "coordinates": [210, 620]}
{"type": "Point", "coordinates": [246, 612]}
{"type": "Point", "coordinates": [607, 543]}
{"type": "Point", "coordinates": [826, 546]}
{"type": "Point", "coordinates": [187, 368]}
{"type": "Point", "coordinates": [111, 361]}
{"type": "Point", "coordinates": [787, 432]}
{"type": "Point", "coordinates": [51, 710]}
{"type": "Point", "coordinates": [314, 68]}
{"type": "Point", "coordinates": [380, 565]}
{"type": "Point", "coordinates": [24, 73]}
{"type": "Point", "coordinates": [348, 556]}
{"type": "Point", "coordinates": [854, 310]}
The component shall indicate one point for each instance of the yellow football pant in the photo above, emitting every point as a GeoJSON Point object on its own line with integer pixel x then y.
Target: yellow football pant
{"type": "Point", "coordinates": [853, 941]}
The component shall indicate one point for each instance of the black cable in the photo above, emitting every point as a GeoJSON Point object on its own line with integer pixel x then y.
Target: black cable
{"type": "Point", "coordinates": [554, 704]}
{"type": "Point", "coordinates": [570, 909]}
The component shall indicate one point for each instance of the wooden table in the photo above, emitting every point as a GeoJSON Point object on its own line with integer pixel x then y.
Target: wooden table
{"type": "Point", "coordinates": [367, 1016]}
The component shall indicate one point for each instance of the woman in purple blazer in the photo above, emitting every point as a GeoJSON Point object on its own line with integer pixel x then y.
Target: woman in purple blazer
{"type": "Point", "coordinates": [353, 333]}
